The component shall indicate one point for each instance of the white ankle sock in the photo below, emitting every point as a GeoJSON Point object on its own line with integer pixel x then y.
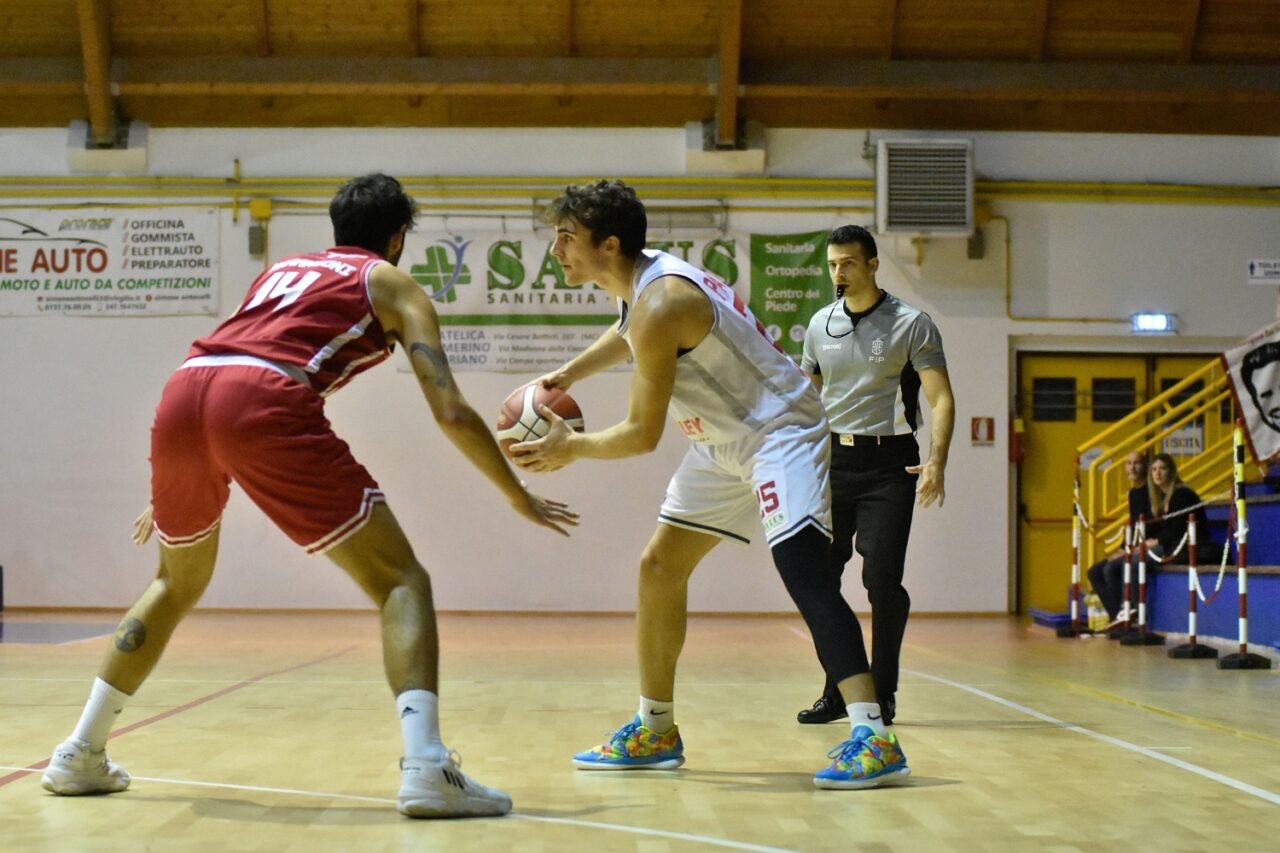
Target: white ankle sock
{"type": "Point", "coordinates": [657, 716]}
{"type": "Point", "coordinates": [420, 724]}
{"type": "Point", "coordinates": [866, 714]}
{"type": "Point", "coordinates": [99, 715]}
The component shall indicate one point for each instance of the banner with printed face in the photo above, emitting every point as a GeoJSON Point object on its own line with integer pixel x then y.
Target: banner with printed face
{"type": "Point", "coordinates": [109, 262]}
{"type": "Point", "coordinates": [503, 302]}
{"type": "Point", "coordinates": [789, 284]}
{"type": "Point", "coordinates": [1254, 370]}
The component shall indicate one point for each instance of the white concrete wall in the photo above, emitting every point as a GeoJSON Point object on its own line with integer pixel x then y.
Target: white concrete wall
{"type": "Point", "coordinates": [76, 395]}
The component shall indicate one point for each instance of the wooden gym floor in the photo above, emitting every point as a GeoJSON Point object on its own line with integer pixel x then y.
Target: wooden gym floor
{"type": "Point", "coordinates": [276, 732]}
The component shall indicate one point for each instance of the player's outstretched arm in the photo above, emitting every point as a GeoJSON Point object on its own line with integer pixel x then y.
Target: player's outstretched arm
{"type": "Point", "coordinates": [603, 353]}
{"type": "Point", "coordinates": [672, 315]}
{"type": "Point", "coordinates": [408, 316]}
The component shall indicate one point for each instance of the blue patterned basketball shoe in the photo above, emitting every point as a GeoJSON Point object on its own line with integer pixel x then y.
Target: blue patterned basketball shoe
{"type": "Point", "coordinates": [634, 747]}
{"type": "Point", "coordinates": [865, 760]}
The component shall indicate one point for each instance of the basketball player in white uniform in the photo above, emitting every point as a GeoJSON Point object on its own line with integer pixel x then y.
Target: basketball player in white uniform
{"type": "Point", "coordinates": [761, 450]}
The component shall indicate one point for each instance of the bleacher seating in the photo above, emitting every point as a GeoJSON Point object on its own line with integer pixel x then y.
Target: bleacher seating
{"type": "Point", "coordinates": [1167, 592]}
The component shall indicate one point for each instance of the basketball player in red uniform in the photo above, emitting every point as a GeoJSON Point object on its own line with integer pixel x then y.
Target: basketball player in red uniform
{"type": "Point", "coordinates": [248, 405]}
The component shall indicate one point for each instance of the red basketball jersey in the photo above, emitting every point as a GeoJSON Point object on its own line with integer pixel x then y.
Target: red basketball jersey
{"type": "Point", "coordinates": [312, 311]}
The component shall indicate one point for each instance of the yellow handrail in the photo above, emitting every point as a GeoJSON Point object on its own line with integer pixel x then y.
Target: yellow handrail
{"type": "Point", "coordinates": [1145, 430]}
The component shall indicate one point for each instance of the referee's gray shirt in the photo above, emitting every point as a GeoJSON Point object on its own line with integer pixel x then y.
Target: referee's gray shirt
{"type": "Point", "coordinates": [870, 364]}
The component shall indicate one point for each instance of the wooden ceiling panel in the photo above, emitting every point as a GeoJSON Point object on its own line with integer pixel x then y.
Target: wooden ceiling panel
{"type": "Point", "coordinates": [1129, 31]}
{"type": "Point", "coordinates": [1150, 66]}
{"type": "Point", "coordinates": [964, 29]}
{"type": "Point", "coordinates": [1239, 31]}
{"type": "Point", "coordinates": [494, 28]}
{"type": "Point", "coordinates": [648, 28]}
{"type": "Point", "coordinates": [39, 28]}
{"type": "Point", "coordinates": [339, 27]}
{"type": "Point", "coordinates": [182, 28]}
{"type": "Point", "coordinates": [824, 28]}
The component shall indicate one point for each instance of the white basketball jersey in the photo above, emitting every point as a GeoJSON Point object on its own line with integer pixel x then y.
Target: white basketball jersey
{"type": "Point", "coordinates": [736, 381]}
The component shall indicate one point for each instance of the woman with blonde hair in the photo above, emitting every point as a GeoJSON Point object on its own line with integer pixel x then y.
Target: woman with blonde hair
{"type": "Point", "coordinates": [1171, 502]}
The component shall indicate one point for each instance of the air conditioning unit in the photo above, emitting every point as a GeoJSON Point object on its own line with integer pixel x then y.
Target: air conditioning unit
{"type": "Point", "coordinates": [924, 187]}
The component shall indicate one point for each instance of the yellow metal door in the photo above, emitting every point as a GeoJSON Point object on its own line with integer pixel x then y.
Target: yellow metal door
{"type": "Point", "coordinates": [1063, 401]}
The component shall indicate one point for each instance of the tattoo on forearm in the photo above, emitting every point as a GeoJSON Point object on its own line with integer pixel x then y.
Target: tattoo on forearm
{"type": "Point", "coordinates": [437, 369]}
{"type": "Point", "coordinates": [131, 635]}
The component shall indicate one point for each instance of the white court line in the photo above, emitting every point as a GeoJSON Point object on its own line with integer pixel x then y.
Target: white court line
{"type": "Point", "coordinates": [1243, 787]}
{"type": "Point", "coordinates": [586, 824]}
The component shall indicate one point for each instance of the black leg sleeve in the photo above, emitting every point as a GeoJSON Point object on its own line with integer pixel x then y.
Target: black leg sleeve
{"type": "Point", "coordinates": [814, 586]}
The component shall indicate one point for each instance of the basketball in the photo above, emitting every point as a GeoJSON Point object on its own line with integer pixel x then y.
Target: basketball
{"type": "Point", "coordinates": [519, 419]}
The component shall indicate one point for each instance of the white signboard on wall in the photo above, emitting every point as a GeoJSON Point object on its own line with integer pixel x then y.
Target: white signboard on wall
{"type": "Point", "coordinates": [109, 262]}
{"type": "Point", "coordinates": [1265, 271]}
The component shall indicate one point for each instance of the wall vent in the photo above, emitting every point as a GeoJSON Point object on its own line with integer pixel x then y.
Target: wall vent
{"type": "Point", "coordinates": [924, 187]}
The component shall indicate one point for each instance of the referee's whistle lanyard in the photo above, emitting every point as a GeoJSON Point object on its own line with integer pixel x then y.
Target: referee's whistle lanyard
{"type": "Point", "coordinates": [853, 318]}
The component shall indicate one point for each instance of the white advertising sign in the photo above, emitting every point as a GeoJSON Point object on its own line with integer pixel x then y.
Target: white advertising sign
{"type": "Point", "coordinates": [109, 262]}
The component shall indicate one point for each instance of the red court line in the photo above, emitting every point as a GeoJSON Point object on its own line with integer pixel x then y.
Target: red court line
{"type": "Point", "coordinates": [164, 715]}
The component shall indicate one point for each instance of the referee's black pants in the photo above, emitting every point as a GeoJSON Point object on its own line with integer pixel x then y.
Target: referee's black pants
{"type": "Point", "coordinates": [873, 499]}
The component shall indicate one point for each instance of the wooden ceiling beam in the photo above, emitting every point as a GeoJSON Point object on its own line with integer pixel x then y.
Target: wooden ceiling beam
{"type": "Point", "coordinates": [405, 76]}
{"type": "Point", "coordinates": [889, 26]}
{"type": "Point", "coordinates": [567, 38]}
{"type": "Point", "coordinates": [853, 80]}
{"type": "Point", "coordinates": [1039, 30]}
{"type": "Point", "coordinates": [413, 26]}
{"type": "Point", "coordinates": [41, 77]}
{"type": "Point", "coordinates": [95, 47]}
{"type": "Point", "coordinates": [261, 27]}
{"type": "Point", "coordinates": [1190, 29]}
{"type": "Point", "coordinates": [1012, 81]}
{"type": "Point", "coordinates": [729, 62]}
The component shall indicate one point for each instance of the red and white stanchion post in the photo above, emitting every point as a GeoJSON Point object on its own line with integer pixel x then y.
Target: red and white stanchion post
{"type": "Point", "coordinates": [1140, 636]}
{"type": "Point", "coordinates": [1073, 630]}
{"type": "Point", "coordinates": [1191, 648]}
{"type": "Point", "coordinates": [1242, 659]}
{"type": "Point", "coordinates": [1126, 579]}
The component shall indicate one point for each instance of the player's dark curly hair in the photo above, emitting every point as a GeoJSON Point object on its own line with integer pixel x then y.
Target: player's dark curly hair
{"type": "Point", "coordinates": [607, 209]}
{"type": "Point", "coordinates": [367, 212]}
{"type": "Point", "coordinates": [846, 234]}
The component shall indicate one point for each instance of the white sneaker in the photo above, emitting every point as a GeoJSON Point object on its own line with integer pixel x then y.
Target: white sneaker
{"type": "Point", "coordinates": [440, 789]}
{"type": "Point", "coordinates": [74, 769]}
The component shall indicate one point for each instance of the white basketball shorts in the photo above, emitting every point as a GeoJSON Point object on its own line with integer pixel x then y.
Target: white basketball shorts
{"type": "Point", "coordinates": [779, 480]}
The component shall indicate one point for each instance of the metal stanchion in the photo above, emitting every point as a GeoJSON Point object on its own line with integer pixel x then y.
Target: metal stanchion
{"type": "Point", "coordinates": [1073, 630]}
{"type": "Point", "coordinates": [1130, 540]}
{"type": "Point", "coordinates": [1192, 649]}
{"type": "Point", "coordinates": [1242, 659]}
{"type": "Point", "coordinates": [1140, 636]}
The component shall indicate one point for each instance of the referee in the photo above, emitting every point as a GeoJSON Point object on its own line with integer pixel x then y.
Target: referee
{"type": "Point", "coordinates": [870, 354]}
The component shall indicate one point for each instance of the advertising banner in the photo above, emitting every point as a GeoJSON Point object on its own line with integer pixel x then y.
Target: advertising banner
{"type": "Point", "coordinates": [789, 284]}
{"type": "Point", "coordinates": [109, 262]}
{"type": "Point", "coordinates": [1253, 368]}
{"type": "Point", "coordinates": [503, 302]}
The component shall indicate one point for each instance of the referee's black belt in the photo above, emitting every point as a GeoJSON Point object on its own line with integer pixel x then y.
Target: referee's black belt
{"type": "Point", "coordinates": [849, 439]}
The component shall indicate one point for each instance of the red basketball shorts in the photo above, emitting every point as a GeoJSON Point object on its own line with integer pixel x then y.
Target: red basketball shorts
{"type": "Point", "coordinates": [267, 432]}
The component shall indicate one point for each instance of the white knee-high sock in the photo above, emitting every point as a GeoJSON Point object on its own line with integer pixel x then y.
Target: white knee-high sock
{"type": "Point", "coordinates": [420, 724]}
{"type": "Point", "coordinates": [99, 715]}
